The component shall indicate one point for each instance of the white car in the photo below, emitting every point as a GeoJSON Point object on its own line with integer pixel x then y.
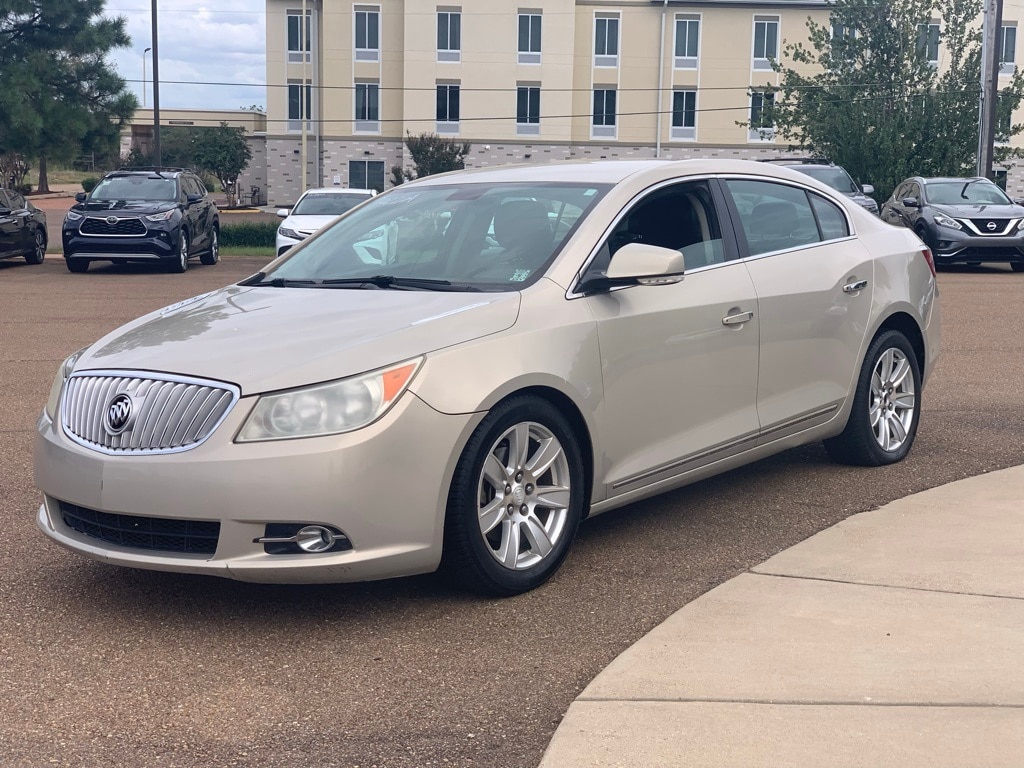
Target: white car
{"type": "Point", "coordinates": [315, 209]}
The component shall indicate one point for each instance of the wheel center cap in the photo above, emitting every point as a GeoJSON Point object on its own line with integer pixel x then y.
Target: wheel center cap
{"type": "Point", "coordinates": [518, 494]}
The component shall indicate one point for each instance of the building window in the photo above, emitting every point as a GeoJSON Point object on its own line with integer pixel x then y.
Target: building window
{"type": "Point", "coordinates": [684, 115]}
{"type": "Point", "coordinates": [687, 42]}
{"type": "Point", "coordinates": [529, 38]}
{"type": "Point", "coordinates": [367, 108]}
{"type": "Point", "coordinates": [928, 42]}
{"type": "Point", "coordinates": [603, 124]}
{"type": "Point", "coordinates": [298, 38]}
{"type": "Point", "coordinates": [1008, 50]}
{"type": "Point", "coordinates": [299, 102]}
{"type": "Point", "coordinates": [766, 41]}
{"type": "Point", "coordinates": [606, 41]}
{"type": "Point", "coordinates": [367, 34]}
{"type": "Point", "coordinates": [366, 174]}
{"type": "Point", "coordinates": [447, 108]}
{"type": "Point", "coordinates": [761, 127]}
{"type": "Point", "coordinates": [528, 110]}
{"type": "Point", "coordinates": [449, 35]}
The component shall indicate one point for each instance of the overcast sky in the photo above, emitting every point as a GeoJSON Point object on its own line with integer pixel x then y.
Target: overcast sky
{"type": "Point", "coordinates": [200, 41]}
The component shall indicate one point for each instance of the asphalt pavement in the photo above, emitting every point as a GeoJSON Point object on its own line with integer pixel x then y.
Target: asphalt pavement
{"type": "Point", "coordinates": [106, 666]}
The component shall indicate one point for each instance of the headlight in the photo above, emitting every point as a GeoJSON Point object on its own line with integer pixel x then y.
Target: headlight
{"type": "Point", "coordinates": [161, 216]}
{"type": "Point", "coordinates": [285, 232]}
{"type": "Point", "coordinates": [328, 409]}
{"type": "Point", "coordinates": [63, 372]}
{"type": "Point", "coordinates": [72, 216]}
{"type": "Point", "coordinates": [1020, 227]}
{"type": "Point", "coordinates": [945, 221]}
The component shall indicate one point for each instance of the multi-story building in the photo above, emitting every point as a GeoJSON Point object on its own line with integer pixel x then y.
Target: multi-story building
{"type": "Point", "coordinates": [524, 80]}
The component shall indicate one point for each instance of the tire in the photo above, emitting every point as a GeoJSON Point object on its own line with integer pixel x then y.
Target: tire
{"type": "Point", "coordinates": [922, 232]}
{"type": "Point", "coordinates": [895, 395]}
{"type": "Point", "coordinates": [180, 264]}
{"type": "Point", "coordinates": [521, 541]}
{"type": "Point", "coordinates": [1017, 266]}
{"type": "Point", "coordinates": [38, 252]}
{"type": "Point", "coordinates": [77, 265]}
{"type": "Point", "coordinates": [212, 256]}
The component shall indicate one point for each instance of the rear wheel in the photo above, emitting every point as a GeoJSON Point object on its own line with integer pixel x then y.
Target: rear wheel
{"type": "Point", "coordinates": [180, 264]}
{"type": "Point", "coordinates": [516, 499]}
{"type": "Point", "coordinates": [886, 405]}
{"type": "Point", "coordinates": [212, 256]}
{"type": "Point", "coordinates": [78, 265]}
{"type": "Point", "coordinates": [38, 252]}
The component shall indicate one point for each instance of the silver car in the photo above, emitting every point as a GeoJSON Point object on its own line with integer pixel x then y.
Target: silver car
{"type": "Point", "coordinates": [537, 345]}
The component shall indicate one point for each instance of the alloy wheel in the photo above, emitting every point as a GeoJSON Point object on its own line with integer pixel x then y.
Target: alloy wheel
{"type": "Point", "coordinates": [891, 412]}
{"type": "Point", "coordinates": [523, 496]}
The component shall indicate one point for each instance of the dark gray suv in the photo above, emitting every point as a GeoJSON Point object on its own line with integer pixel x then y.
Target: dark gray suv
{"type": "Point", "coordinates": [834, 176]}
{"type": "Point", "coordinates": [143, 214]}
{"type": "Point", "coordinates": [962, 220]}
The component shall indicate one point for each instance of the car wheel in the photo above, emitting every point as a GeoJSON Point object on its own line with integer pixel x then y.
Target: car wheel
{"type": "Point", "coordinates": [922, 232]}
{"type": "Point", "coordinates": [38, 252]}
{"type": "Point", "coordinates": [1017, 266]}
{"type": "Point", "coordinates": [212, 256]}
{"type": "Point", "coordinates": [180, 264]}
{"type": "Point", "coordinates": [516, 499]}
{"type": "Point", "coordinates": [78, 265]}
{"type": "Point", "coordinates": [886, 405]}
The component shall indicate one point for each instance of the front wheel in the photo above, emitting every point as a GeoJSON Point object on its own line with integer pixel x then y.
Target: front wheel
{"type": "Point", "coordinates": [38, 252]}
{"type": "Point", "coordinates": [180, 264]}
{"type": "Point", "coordinates": [78, 265]}
{"type": "Point", "coordinates": [212, 256]}
{"type": "Point", "coordinates": [886, 406]}
{"type": "Point", "coordinates": [516, 499]}
{"type": "Point", "coordinates": [1017, 266]}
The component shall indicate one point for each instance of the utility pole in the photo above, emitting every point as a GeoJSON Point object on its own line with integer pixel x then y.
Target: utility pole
{"type": "Point", "coordinates": [991, 53]}
{"type": "Point", "coordinates": [156, 91]}
{"type": "Point", "coordinates": [304, 105]}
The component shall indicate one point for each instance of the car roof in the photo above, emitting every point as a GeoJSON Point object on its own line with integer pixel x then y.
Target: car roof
{"type": "Point", "coordinates": [927, 179]}
{"type": "Point", "coordinates": [339, 190]}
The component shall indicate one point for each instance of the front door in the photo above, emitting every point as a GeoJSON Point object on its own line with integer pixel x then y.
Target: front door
{"type": "Point", "coordinates": [679, 361]}
{"type": "Point", "coordinates": [10, 228]}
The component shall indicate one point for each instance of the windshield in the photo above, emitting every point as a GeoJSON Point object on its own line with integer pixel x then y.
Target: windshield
{"type": "Point", "coordinates": [154, 188]}
{"type": "Point", "coordinates": [837, 178]}
{"type": "Point", "coordinates": [476, 236]}
{"type": "Point", "coordinates": [327, 203]}
{"type": "Point", "coordinates": [979, 191]}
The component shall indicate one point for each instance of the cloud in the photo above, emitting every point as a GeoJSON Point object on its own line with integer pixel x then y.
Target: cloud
{"type": "Point", "coordinates": [199, 43]}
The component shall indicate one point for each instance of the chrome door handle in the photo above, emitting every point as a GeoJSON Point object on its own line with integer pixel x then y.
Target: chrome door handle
{"type": "Point", "coordinates": [738, 319]}
{"type": "Point", "coordinates": [855, 286]}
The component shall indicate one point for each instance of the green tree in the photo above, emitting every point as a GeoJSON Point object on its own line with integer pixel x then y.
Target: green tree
{"type": "Point", "coordinates": [224, 152]}
{"type": "Point", "coordinates": [864, 94]}
{"type": "Point", "coordinates": [60, 97]}
{"type": "Point", "coordinates": [435, 154]}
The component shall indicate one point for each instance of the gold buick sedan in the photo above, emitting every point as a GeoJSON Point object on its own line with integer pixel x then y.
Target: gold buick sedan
{"type": "Point", "coordinates": [459, 371]}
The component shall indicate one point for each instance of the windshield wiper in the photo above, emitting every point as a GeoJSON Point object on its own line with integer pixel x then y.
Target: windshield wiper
{"type": "Point", "coordinates": [390, 281]}
{"type": "Point", "coordinates": [285, 282]}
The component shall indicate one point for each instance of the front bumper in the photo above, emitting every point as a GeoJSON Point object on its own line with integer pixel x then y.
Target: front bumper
{"type": "Point", "coordinates": [952, 245]}
{"type": "Point", "coordinates": [284, 244]}
{"type": "Point", "coordinates": [384, 486]}
{"type": "Point", "coordinates": [156, 244]}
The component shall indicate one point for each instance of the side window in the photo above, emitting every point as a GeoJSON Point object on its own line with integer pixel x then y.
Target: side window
{"type": "Point", "coordinates": [831, 220]}
{"type": "Point", "coordinates": [681, 217]}
{"type": "Point", "coordinates": [775, 217]}
{"type": "Point", "coordinates": [196, 187]}
{"type": "Point", "coordinates": [16, 200]}
{"type": "Point", "coordinates": [4, 202]}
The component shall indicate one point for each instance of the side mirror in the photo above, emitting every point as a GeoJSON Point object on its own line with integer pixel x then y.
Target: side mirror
{"type": "Point", "coordinates": [80, 197]}
{"type": "Point", "coordinates": [867, 189]}
{"type": "Point", "coordinates": [911, 202]}
{"type": "Point", "coordinates": [283, 213]}
{"type": "Point", "coordinates": [639, 264]}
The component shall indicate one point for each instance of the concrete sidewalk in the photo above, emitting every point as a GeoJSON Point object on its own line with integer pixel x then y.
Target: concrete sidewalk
{"type": "Point", "coordinates": [893, 639]}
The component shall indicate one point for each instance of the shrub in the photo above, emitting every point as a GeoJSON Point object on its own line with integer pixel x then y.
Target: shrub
{"type": "Point", "coordinates": [252, 234]}
{"type": "Point", "coordinates": [24, 189]}
{"type": "Point", "coordinates": [89, 183]}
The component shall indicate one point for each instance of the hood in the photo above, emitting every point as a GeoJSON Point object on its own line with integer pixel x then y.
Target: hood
{"type": "Point", "coordinates": [307, 223]}
{"type": "Point", "coordinates": [264, 338]}
{"type": "Point", "coordinates": [980, 211]}
{"type": "Point", "coordinates": [126, 206]}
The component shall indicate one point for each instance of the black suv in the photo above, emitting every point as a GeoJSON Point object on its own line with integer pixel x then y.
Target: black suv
{"type": "Point", "coordinates": [834, 176]}
{"type": "Point", "coordinates": [143, 214]}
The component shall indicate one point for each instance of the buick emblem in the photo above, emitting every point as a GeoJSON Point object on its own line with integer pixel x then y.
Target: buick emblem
{"type": "Point", "coordinates": [118, 414]}
{"type": "Point", "coordinates": [111, 219]}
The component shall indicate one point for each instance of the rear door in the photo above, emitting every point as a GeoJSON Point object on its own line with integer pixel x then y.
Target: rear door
{"type": "Point", "coordinates": [813, 281]}
{"type": "Point", "coordinates": [679, 361]}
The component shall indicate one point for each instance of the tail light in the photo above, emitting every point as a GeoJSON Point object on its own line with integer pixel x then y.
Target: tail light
{"type": "Point", "coordinates": [927, 253]}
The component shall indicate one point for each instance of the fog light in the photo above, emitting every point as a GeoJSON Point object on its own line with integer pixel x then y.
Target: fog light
{"type": "Point", "coordinates": [302, 538]}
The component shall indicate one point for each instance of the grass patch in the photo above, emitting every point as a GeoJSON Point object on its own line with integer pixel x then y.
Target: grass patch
{"type": "Point", "coordinates": [67, 175]}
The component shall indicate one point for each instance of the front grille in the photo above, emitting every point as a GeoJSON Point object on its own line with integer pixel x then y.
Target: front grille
{"type": "Point", "coordinates": [156, 534]}
{"type": "Point", "coordinates": [164, 414]}
{"type": "Point", "coordinates": [982, 226]}
{"type": "Point", "coordinates": [120, 228]}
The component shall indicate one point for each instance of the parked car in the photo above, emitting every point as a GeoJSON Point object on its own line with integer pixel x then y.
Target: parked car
{"type": "Point", "coordinates": [467, 403]}
{"type": "Point", "coordinates": [835, 176]}
{"type": "Point", "coordinates": [143, 214]}
{"type": "Point", "coordinates": [22, 228]}
{"type": "Point", "coordinates": [963, 220]}
{"type": "Point", "coordinates": [315, 209]}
